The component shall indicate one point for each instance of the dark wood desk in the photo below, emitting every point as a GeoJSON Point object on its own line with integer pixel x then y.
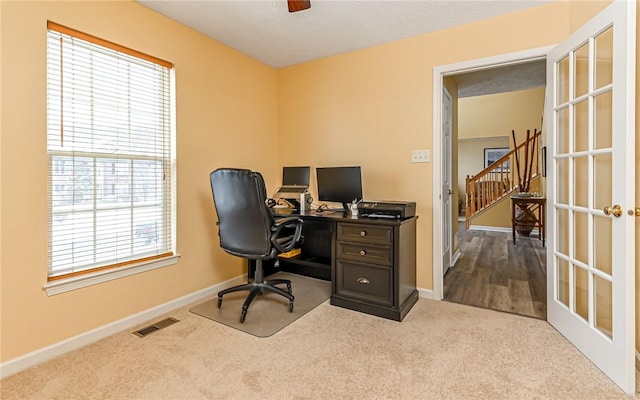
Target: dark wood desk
{"type": "Point", "coordinates": [535, 208]}
{"type": "Point", "coordinates": [371, 262]}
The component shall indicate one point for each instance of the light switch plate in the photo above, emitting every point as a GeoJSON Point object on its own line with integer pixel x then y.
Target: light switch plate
{"type": "Point", "coordinates": [418, 156]}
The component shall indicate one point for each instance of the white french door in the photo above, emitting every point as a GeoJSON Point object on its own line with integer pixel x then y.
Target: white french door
{"type": "Point", "coordinates": [590, 125]}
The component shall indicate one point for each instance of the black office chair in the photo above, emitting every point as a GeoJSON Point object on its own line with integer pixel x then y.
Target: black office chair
{"type": "Point", "coordinates": [248, 229]}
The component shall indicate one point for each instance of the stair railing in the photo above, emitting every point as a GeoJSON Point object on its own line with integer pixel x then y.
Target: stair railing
{"type": "Point", "coordinates": [499, 179]}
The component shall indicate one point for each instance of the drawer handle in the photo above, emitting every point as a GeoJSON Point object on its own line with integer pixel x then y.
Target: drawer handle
{"type": "Point", "coordinates": [363, 233]}
{"type": "Point", "coordinates": [363, 281]}
{"type": "Point", "coordinates": [363, 253]}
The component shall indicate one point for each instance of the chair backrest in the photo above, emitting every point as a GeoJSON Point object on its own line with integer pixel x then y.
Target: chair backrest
{"type": "Point", "coordinates": [244, 220]}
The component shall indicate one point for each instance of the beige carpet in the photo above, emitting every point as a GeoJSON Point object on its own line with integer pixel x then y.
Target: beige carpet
{"type": "Point", "coordinates": [270, 312]}
{"type": "Point", "coordinates": [439, 351]}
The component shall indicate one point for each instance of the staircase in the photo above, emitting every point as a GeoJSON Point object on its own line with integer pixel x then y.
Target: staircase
{"type": "Point", "coordinates": [502, 178]}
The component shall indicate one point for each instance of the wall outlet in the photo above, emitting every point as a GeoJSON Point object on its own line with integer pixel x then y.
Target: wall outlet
{"type": "Point", "coordinates": [420, 156]}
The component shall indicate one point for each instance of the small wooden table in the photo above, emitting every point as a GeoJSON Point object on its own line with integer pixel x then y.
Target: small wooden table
{"type": "Point", "coordinates": [534, 204]}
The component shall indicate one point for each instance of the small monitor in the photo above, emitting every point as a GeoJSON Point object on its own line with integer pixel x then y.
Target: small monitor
{"type": "Point", "coordinates": [295, 176]}
{"type": "Point", "coordinates": [339, 184]}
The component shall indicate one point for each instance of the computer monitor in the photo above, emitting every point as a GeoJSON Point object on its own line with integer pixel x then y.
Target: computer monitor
{"type": "Point", "coordinates": [295, 176]}
{"type": "Point", "coordinates": [339, 184]}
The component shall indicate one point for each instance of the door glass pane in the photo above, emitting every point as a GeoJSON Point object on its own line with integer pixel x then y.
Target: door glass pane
{"type": "Point", "coordinates": [562, 231]}
{"type": "Point", "coordinates": [581, 126]}
{"type": "Point", "coordinates": [563, 281]}
{"type": "Point", "coordinates": [602, 307]}
{"type": "Point", "coordinates": [562, 89]}
{"type": "Point", "coordinates": [602, 120]}
{"type": "Point", "coordinates": [602, 186]}
{"type": "Point", "coordinates": [581, 237]}
{"type": "Point", "coordinates": [581, 65]}
{"type": "Point", "coordinates": [602, 248]}
{"type": "Point", "coordinates": [562, 146]}
{"type": "Point", "coordinates": [581, 181]}
{"type": "Point", "coordinates": [562, 181]}
{"type": "Point", "coordinates": [604, 58]}
{"type": "Point", "coordinates": [581, 292]}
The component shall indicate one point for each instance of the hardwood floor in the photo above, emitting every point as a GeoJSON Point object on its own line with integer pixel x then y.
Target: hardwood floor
{"type": "Point", "coordinates": [494, 273]}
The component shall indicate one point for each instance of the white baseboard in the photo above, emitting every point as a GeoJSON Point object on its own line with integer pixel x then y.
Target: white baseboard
{"type": "Point", "coordinates": [456, 257]}
{"type": "Point", "coordinates": [46, 353]}
{"type": "Point", "coordinates": [489, 228]}
{"type": "Point", "coordinates": [426, 293]}
{"type": "Point", "coordinates": [534, 232]}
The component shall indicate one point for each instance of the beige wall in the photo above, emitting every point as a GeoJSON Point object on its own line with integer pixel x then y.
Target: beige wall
{"type": "Point", "coordinates": [370, 107]}
{"type": "Point", "coordinates": [498, 114]}
{"type": "Point", "coordinates": [217, 89]}
{"type": "Point", "coordinates": [496, 216]}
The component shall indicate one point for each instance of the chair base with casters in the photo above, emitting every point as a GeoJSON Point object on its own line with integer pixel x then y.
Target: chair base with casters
{"type": "Point", "coordinates": [248, 229]}
{"type": "Point", "coordinates": [258, 287]}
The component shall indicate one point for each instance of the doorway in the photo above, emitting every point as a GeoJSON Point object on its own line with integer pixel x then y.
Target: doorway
{"type": "Point", "coordinates": [488, 270]}
{"type": "Point", "coordinates": [492, 270]}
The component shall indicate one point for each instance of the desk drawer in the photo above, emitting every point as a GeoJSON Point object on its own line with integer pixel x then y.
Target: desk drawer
{"type": "Point", "coordinates": [361, 233]}
{"type": "Point", "coordinates": [382, 255]}
{"type": "Point", "coordinates": [365, 282]}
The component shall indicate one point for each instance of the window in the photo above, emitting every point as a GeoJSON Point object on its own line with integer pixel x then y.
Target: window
{"type": "Point", "coordinates": [110, 152]}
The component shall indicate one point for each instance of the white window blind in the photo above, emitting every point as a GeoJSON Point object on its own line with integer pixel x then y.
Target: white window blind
{"type": "Point", "coordinates": [109, 143]}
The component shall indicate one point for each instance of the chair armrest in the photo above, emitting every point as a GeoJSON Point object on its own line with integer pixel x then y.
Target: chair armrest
{"type": "Point", "coordinates": [284, 221]}
{"type": "Point", "coordinates": [286, 243]}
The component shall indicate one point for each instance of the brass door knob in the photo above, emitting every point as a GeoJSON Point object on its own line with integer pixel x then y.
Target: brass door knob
{"type": "Point", "coordinates": [616, 210]}
{"type": "Point", "coordinates": [635, 212]}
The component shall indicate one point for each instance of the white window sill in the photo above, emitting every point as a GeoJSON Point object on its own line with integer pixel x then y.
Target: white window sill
{"type": "Point", "coordinates": [78, 282]}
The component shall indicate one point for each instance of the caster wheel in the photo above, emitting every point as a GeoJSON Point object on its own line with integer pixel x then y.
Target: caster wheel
{"type": "Point", "coordinates": [219, 302]}
{"type": "Point", "coordinates": [291, 306]}
{"type": "Point", "coordinates": [243, 316]}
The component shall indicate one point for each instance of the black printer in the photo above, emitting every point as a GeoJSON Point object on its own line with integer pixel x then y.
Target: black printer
{"type": "Point", "coordinates": [387, 209]}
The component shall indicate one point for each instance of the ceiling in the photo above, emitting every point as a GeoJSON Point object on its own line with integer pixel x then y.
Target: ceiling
{"type": "Point", "coordinates": [266, 31]}
{"type": "Point", "coordinates": [502, 79]}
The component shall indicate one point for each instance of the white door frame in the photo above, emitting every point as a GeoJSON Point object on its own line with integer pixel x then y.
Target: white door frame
{"type": "Point", "coordinates": [439, 72]}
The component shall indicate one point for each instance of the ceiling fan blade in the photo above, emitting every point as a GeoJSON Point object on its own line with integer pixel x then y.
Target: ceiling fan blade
{"type": "Point", "coordinates": [298, 5]}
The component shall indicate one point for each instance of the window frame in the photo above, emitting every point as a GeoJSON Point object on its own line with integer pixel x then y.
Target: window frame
{"type": "Point", "coordinates": [116, 268]}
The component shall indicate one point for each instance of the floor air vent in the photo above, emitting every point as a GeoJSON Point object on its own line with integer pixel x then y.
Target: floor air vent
{"type": "Point", "coordinates": [155, 327]}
